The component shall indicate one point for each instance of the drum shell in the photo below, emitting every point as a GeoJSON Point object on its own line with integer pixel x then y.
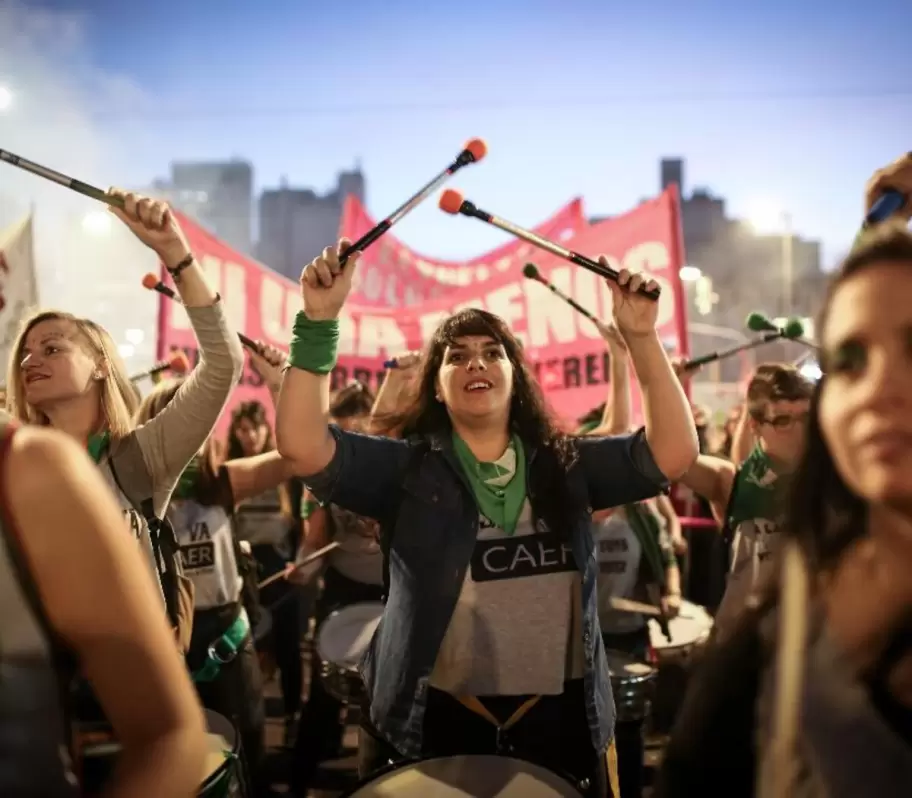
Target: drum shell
{"type": "Point", "coordinates": [633, 693]}
{"type": "Point", "coordinates": [341, 641]}
{"type": "Point", "coordinates": [343, 683]}
{"type": "Point", "coordinates": [675, 663]}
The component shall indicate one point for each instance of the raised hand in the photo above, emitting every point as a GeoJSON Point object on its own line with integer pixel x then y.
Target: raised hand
{"type": "Point", "coordinates": [153, 223]}
{"type": "Point", "coordinates": [325, 284]}
{"type": "Point", "coordinates": [634, 313]}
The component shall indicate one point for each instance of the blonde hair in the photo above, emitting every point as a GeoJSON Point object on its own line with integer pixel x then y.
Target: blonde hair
{"type": "Point", "coordinates": [157, 400]}
{"type": "Point", "coordinates": [119, 399]}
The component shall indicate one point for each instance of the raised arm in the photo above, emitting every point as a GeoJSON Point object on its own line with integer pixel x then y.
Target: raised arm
{"type": "Point", "coordinates": [617, 415]}
{"type": "Point", "coordinates": [109, 612]}
{"type": "Point", "coordinates": [713, 479]}
{"type": "Point", "coordinates": [670, 428]}
{"type": "Point", "coordinates": [359, 472]}
{"type": "Point", "coordinates": [176, 434]}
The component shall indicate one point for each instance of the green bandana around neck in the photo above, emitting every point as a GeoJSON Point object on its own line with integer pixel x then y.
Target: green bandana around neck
{"type": "Point", "coordinates": [760, 491]}
{"type": "Point", "coordinates": [187, 483]}
{"type": "Point", "coordinates": [499, 487]}
{"type": "Point", "coordinates": [97, 444]}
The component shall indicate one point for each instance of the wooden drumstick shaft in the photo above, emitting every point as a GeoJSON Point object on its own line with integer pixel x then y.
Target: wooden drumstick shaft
{"type": "Point", "coordinates": [626, 605]}
{"type": "Point", "coordinates": [306, 561]}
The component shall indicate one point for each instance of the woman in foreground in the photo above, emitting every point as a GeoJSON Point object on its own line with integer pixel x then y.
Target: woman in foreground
{"type": "Point", "coordinates": [812, 695]}
{"type": "Point", "coordinates": [490, 640]}
{"type": "Point", "coordinates": [102, 616]}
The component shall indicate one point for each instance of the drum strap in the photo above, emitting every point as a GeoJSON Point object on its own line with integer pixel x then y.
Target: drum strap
{"type": "Point", "coordinates": [611, 761]}
{"type": "Point", "coordinates": [472, 703]}
{"type": "Point", "coordinates": [224, 649]}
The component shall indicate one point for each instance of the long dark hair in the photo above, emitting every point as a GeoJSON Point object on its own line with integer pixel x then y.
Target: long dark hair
{"type": "Point", "coordinates": [255, 412]}
{"type": "Point", "coordinates": [529, 414]}
{"type": "Point", "coordinates": [529, 417]}
{"type": "Point", "coordinates": [824, 514]}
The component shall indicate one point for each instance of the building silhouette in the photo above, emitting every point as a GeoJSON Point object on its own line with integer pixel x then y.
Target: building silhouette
{"type": "Point", "coordinates": [297, 223]}
{"type": "Point", "coordinates": [217, 194]}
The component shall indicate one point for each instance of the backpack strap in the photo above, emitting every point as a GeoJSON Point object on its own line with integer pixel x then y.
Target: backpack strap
{"type": "Point", "coordinates": [164, 546]}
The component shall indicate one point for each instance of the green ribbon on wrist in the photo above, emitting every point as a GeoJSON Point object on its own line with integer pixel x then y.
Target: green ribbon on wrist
{"type": "Point", "coordinates": [314, 344]}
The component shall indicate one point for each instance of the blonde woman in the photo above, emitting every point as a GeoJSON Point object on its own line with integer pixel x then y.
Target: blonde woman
{"type": "Point", "coordinates": [65, 373]}
{"type": "Point", "coordinates": [103, 614]}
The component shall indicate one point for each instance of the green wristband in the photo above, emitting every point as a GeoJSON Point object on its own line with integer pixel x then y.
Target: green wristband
{"type": "Point", "coordinates": [314, 344]}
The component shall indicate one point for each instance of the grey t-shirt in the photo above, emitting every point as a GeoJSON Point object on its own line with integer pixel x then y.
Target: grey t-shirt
{"type": "Point", "coordinates": [517, 626]}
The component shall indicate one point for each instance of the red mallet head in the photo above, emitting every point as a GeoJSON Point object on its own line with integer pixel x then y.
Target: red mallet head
{"type": "Point", "coordinates": [451, 201]}
{"type": "Point", "coordinates": [178, 362]}
{"type": "Point", "coordinates": [150, 281]}
{"type": "Point", "coordinates": [477, 147]}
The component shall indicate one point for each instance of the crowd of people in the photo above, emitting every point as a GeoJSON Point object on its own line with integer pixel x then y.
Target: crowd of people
{"type": "Point", "coordinates": [511, 583]}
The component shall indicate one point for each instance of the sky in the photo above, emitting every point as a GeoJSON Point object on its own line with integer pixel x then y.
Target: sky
{"type": "Point", "coordinates": [789, 103]}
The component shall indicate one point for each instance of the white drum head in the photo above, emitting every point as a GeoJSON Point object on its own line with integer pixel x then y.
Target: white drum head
{"type": "Point", "coordinates": [345, 635]}
{"type": "Point", "coordinates": [624, 667]}
{"type": "Point", "coordinates": [468, 777]}
{"type": "Point", "coordinates": [692, 626]}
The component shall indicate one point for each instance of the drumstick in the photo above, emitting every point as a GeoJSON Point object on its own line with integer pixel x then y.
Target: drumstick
{"type": "Point", "coordinates": [61, 179]}
{"type": "Point", "coordinates": [152, 283]}
{"type": "Point", "coordinates": [626, 605]}
{"type": "Point", "coordinates": [306, 561]}
{"type": "Point", "coordinates": [474, 151]}
{"type": "Point", "coordinates": [453, 202]}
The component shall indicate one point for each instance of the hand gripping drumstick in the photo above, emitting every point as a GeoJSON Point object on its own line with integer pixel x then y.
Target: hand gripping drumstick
{"type": "Point", "coordinates": [67, 182]}
{"type": "Point", "coordinates": [176, 362]}
{"type": "Point", "coordinates": [530, 272]}
{"type": "Point", "coordinates": [452, 202]}
{"type": "Point", "coordinates": [152, 283]}
{"type": "Point", "coordinates": [294, 566]}
{"type": "Point", "coordinates": [474, 151]}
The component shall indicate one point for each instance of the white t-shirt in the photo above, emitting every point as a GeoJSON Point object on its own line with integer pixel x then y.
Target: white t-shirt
{"type": "Point", "coordinates": [619, 555]}
{"type": "Point", "coordinates": [517, 625]}
{"type": "Point", "coordinates": [206, 539]}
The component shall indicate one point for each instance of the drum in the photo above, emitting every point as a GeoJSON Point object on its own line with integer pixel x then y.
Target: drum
{"type": "Point", "coordinates": [341, 641]}
{"type": "Point", "coordinates": [224, 777]}
{"type": "Point", "coordinates": [465, 777]}
{"type": "Point", "coordinates": [223, 762]}
{"type": "Point", "coordinates": [676, 659]}
{"type": "Point", "coordinates": [632, 683]}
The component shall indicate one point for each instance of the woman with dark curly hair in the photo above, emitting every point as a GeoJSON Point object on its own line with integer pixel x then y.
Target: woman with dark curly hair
{"type": "Point", "coordinates": [489, 645]}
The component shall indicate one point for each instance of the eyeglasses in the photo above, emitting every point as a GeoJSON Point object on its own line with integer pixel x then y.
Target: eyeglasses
{"type": "Point", "coordinates": [785, 422]}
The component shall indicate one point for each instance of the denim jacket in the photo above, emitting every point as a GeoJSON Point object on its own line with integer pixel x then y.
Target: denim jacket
{"type": "Point", "coordinates": [433, 517]}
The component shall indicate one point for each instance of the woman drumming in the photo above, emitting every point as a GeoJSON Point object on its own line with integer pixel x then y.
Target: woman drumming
{"type": "Point", "coordinates": [489, 642]}
{"type": "Point", "coordinates": [222, 659]}
{"type": "Point", "coordinates": [354, 573]}
{"type": "Point", "coordinates": [103, 616]}
{"type": "Point", "coordinates": [832, 708]}
{"type": "Point", "coordinates": [65, 373]}
{"type": "Point", "coordinates": [267, 521]}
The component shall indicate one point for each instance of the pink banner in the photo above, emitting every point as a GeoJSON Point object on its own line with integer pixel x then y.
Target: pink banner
{"type": "Point", "coordinates": [566, 349]}
{"type": "Point", "coordinates": [391, 275]}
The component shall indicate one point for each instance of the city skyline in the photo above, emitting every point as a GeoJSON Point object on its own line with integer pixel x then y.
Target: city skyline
{"type": "Point", "coordinates": [575, 100]}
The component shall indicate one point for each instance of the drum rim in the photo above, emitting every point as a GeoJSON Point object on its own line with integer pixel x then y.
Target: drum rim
{"type": "Point", "coordinates": [222, 771]}
{"type": "Point", "coordinates": [392, 767]}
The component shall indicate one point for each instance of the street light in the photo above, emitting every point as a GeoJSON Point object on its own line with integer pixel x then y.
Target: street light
{"type": "Point", "coordinates": [690, 274]}
{"type": "Point", "coordinates": [768, 218]}
{"type": "Point", "coordinates": [6, 98]}
{"type": "Point", "coordinates": [97, 223]}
